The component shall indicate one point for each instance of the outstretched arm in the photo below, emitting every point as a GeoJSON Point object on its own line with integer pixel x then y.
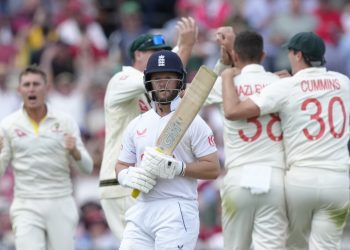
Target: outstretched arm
{"type": "Point", "coordinates": [234, 108]}
{"type": "Point", "coordinates": [187, 36]}
{"type": "Point", "coordinates": [225, 37]}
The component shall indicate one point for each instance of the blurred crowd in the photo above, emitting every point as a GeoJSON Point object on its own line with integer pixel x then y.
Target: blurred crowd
{"type": "Point", "coordinates": [82, 43]}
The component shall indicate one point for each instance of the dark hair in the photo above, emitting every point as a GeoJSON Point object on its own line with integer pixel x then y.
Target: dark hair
{"type": "Point", "coordinates": [248, 46]}
{"type": "Point", "coordinates": [33, 69]}
{"type": "Point", "coordinates": [308, 61]}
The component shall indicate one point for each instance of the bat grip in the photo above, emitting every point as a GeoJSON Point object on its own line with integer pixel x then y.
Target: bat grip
{"type": "Point", "coordinates": [135, 192]}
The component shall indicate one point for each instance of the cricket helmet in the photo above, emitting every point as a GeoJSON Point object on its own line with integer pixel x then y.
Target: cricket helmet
{"type": "Point", "coordinates": [164, 61]}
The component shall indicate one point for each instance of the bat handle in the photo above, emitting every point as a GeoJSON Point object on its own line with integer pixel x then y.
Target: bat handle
{"type": "Point", "coordinates": [135, 193]}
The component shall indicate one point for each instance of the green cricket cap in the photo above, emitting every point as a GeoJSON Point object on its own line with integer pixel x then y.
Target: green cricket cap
{"type": "Point", "coordinates": [147, 42]}
{"type": "Point", "coordinates": [309, 43]}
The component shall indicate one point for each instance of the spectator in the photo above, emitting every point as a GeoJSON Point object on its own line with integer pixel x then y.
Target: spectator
{"type": "Point", "coordinates": [131, 27]}
{"type": "Point", "coordinates": [95, 233]}
{"type": "Point", "coordinates": [284, 25]}
{"type": "Point", "coordinates": [66, 90]}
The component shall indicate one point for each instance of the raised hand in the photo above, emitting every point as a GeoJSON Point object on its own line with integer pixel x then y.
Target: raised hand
{"type": "Point", "coordinates": [225, 38]}
{"type": "Point", "coordinates": [70, 143]}
{"type": "Point", "coordinates": [187, 32]}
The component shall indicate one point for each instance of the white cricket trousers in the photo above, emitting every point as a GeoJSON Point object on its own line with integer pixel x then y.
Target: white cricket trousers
{"type": "Point", "coordinates": [258, 219]}
{"type": "Point", "coordinates": [114, 210]}
{"type": "Point", "coordinates": [318, 206]}
{"type": "Point", "coordinates": [44, 224]}
{"type": "Point", "coordinates": [167, 224]}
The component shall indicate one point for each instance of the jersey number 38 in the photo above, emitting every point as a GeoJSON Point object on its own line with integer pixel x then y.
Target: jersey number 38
{"type": "Point", "coordinates": [274, 118]}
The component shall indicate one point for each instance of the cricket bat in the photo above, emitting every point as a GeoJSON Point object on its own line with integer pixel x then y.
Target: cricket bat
{"type": "Point", "coordinates": [187, 110]}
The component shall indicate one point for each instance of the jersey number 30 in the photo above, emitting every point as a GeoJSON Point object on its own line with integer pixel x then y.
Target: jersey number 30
{"type": "Point", "coordinates": [317, 117]}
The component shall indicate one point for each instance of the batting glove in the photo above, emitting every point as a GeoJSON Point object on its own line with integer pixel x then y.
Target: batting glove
{"type": "Point", "coordinates": [137, 178]}
{"type": "Point", "coordinates": [162, 165]}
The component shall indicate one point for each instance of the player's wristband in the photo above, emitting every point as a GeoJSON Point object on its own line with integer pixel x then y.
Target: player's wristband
{"type": "Point", "coordinates": [220, 67]}
{"type": "Point", "coordinates": [122, 175]}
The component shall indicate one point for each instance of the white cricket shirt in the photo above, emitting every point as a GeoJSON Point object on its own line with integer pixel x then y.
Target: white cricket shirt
{"type": "Point", "coordinates": [255, 141]}
{"type": "Point", "coordinates": [314, 108]}
{"type": "Point", "coordinates": [124, 100]}
{"type": "Point", "coordinates": [39, 158]}
{"type": "Point", "coordinates": [143, 131]}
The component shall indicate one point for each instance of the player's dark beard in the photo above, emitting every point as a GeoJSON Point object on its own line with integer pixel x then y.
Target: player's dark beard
{"type": "Point", "coordinates": [168, 99]}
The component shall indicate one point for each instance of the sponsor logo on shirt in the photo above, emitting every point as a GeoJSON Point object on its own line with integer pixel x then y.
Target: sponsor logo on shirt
{"type": "Point", "coordinates": [211, 140]}
{"type": "Point", "coordinates": [141, 133]}
{"type": "Point", "coordinates": [143, 106]}
{"type": "Point", "coordinates": [123, 77]}
{"type": "Point", "coordinates": [20, 133]}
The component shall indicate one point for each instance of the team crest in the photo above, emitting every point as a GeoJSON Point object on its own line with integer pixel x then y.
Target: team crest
{"type": "Point", "coordinates": [56, 128]}
{"type": "Point", "coordinates": [161, 61]}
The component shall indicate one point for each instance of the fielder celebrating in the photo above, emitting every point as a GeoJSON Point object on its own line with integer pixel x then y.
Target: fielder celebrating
{"type": "Point", "coordinates": [165, 215]}
{"type": "Point", "coordinates": [252, 191]}
{"type": "Point", "coordinates": [314, 106]}
{"type": "Point", "coordinates": [41, 143]}
{"type": "Point", "coordinates": [125, 99]}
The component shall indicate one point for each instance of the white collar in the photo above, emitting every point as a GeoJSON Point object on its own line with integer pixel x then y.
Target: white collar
{"type": "Point", "coordinates": [253, 68]}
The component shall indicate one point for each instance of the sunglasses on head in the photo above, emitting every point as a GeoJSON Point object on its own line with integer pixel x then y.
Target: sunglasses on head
{"type": "Point", "coordinates": [153, 41]}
